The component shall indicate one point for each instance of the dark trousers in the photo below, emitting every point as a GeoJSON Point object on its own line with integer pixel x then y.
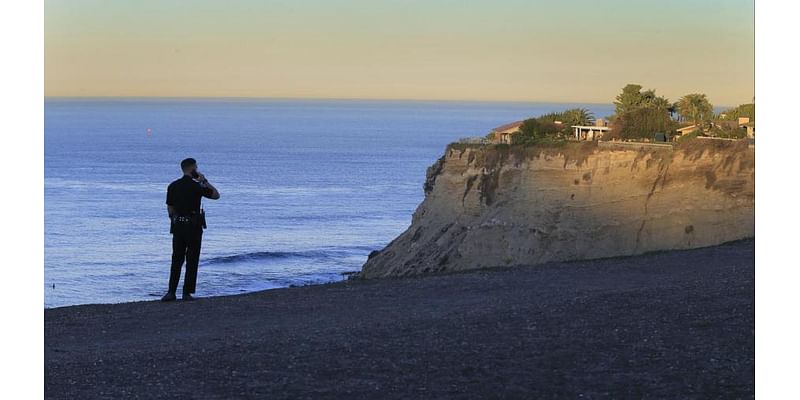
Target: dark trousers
{"type": "Point", "coordinates": [185, 246]}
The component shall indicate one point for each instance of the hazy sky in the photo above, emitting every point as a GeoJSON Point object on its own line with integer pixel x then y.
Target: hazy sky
{"type": "Point", "coordinates": [565, 50]}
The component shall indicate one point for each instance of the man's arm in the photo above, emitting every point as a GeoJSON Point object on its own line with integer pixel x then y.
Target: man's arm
{"type": "Point", "coordinates": [170, 202]}
{"type": "Point", "coordinates": [214, 192]}
{"type": "Point", "coordinates": [214, 195]}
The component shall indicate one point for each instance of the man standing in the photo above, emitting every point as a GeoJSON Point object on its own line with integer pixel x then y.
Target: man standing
{"type": "Point", "coordinates": [187, 222]}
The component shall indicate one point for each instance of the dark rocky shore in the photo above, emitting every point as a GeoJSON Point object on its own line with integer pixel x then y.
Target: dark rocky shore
{"type": "Point", "coordinates": [666, 325]}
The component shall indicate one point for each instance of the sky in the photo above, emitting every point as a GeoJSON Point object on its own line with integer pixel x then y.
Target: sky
{"type": "Point", "coordinates": [499, 50]}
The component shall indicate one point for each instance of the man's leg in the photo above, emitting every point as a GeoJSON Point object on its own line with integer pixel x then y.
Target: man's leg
{"type": "Point", "coordinates": [192, 260]}
{"type": "Point", "coordinates": [179, 245]}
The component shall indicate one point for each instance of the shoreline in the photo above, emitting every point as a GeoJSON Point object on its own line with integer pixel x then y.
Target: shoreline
{"type": "Point", "coordinates": [353, 276]}
{"type": "Point", "coordinates": [666, 324]}
{"type": "Point", "coordinates": [156, 296]}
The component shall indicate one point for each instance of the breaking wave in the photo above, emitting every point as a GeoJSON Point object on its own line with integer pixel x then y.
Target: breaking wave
{"type": "Point", "coordinates": [275, 255]}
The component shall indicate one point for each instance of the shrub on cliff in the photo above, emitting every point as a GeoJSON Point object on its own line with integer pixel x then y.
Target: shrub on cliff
{"type": "Point", "coordinates": [529, 132]}
{"type": "Point", "coordinates": [474, 140]}
{"type": "Point", "coordinates": [641, 123]}
{"type": "Point", "coordinates": [689, 136]}
{"type": "Point", "coordinates": [729, 131]}
{"type": "Point", "coordinates": [534, 131]}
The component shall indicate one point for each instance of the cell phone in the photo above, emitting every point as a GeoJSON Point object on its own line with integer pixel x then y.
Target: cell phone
{"type": "Point", "coordinates": [195, 174]}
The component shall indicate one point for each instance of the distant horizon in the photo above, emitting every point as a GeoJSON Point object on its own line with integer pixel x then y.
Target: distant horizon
{"type": "Point", "coordinates": [325, 98]}
{"type": "Point", "coordinates": [448, 100]}
{"type": "Point", "coordinates": [716, 106]}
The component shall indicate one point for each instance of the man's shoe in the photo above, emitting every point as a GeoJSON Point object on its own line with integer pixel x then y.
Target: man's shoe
{"type": "Point", "coordinates": [188, 297]}
{"type": "Point", "coordinates": [170, 296]}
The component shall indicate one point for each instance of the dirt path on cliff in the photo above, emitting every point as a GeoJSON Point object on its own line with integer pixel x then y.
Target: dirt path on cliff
{"type": "Point", "coordinates": [666, 325]}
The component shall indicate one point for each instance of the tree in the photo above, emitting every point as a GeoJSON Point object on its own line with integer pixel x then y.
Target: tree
{"type": "Point", "coordinates": [630, 98]}
{"type": "Point", "coordinates": [659, 102]}
{"type": "Point", "coordinates": [528, 132]}
{"type": "Point", "coordinates": [743, 110]}
{"type": "Point", "coordinates": [573, 116]}
{"type": "Point", "coordinates": [551, 117]}
{"type": "Point", "coordinates": [696, 108]}
{"type": "Point", "coordinates": [533, 131]}
{"type": "Point", "coordinates": [577, 116]}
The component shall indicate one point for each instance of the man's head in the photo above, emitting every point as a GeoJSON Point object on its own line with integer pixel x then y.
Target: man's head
{"type": "Point", "coordinates": [188, 165]}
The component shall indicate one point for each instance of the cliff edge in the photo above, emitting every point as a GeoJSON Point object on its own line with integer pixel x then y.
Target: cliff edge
{"type": "Point", "coordinates": [499, 205]}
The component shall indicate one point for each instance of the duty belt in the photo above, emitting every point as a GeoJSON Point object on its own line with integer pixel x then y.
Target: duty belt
{"type": "Point", "coordinates": [183, 219]}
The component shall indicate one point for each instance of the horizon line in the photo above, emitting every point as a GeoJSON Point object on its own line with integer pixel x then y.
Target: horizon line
{"type": "Point", "coordinates": [318, 98]}
{"type": "Point", "coordinates": [441, 100]}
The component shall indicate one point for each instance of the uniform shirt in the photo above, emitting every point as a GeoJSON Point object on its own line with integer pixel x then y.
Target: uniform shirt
{"type": "Point", "coordinates": [184, 195]}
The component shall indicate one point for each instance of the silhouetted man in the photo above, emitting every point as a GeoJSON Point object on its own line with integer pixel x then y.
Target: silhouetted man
{"type": "Point", "coordinates": [187, 222]}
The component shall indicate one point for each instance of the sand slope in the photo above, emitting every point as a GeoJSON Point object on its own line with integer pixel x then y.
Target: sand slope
{"type": "Point", "coordinates": [667, 325]}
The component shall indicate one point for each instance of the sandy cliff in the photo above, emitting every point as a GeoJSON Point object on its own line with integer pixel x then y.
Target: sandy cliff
{"type": "Point", "coordinates": [489, 206]}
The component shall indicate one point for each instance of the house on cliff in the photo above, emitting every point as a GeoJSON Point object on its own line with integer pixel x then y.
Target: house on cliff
{"type": "Point", "coordinates": [593, 132]}
{"type": "Point", "coordinates": [749, 126]}
{"type": "Point", "coordinates": [751, 130]}
{"type": "Point", "coordinates": [743, 123]}
{"type": "Point", "coordinates": [502, 133]}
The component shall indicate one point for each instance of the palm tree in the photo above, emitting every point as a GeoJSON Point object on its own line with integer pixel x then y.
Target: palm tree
{"type": "Point", "coordinates": [659, 102]}
{"type": "Point", "coordinates": [696, 108]}
{"type": "Point", "coordinates": [578, 116]}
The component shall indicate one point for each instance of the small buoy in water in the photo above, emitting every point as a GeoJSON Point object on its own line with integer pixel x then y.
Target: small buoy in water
{"type": "Point", "coordinates": [54, 286]}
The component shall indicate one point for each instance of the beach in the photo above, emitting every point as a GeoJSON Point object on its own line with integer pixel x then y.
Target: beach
{"type": "Point", "coordinates": [676, 324]}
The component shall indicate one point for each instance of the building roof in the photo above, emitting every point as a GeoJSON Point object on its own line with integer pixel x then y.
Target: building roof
{"type": "Point", "coordinates": [687, 128]}
{"type": "Point", "coordinates": [511, 125]}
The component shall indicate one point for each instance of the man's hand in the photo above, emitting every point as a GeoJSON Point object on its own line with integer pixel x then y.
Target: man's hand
{"type": "Point", "coordinates": [200, 177]}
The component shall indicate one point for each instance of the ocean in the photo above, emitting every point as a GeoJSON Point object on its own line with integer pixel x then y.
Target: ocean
{"type": "Point", "coordinates": [308, 187]}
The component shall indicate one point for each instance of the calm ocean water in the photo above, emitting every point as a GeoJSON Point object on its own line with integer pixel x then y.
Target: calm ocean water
{"type": "Point", "coordinates": [309, 187]}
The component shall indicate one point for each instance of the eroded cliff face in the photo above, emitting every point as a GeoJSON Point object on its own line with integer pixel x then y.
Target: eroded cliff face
{"type": "Point", "coordinates": [488, 206]}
